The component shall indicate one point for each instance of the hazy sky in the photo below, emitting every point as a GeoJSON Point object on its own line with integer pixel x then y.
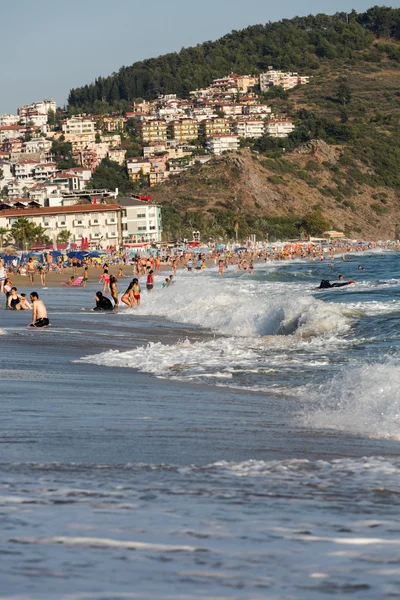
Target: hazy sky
{"type": "Point", "coordinates": [49, 46]}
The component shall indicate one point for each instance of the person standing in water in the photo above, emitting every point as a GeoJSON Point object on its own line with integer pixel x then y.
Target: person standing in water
{"type": "Point", "coordinates": [136, 292]}
{"type": "Point", "coordinates": [127, 298]}
{"type": "Point", "coordinates": [150, 281]}
{"type": "Point", "coordinates": [39, 312]}
{"type": "Point", "coordinates": [114, 291]}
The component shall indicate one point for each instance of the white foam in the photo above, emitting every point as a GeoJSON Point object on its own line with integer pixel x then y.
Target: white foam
{"type": "Point", "coordinates": [364, 400]}
{"type": "Point", "coordinates": [103, 543]}
{"type": "Point", "coordinates": [246, 308]}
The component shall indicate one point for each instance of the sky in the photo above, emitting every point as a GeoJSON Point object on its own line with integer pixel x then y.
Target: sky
{"type": "Point", "coordinates": [51, 46]}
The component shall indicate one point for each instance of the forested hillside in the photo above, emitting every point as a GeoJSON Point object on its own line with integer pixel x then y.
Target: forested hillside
{"type": "Point", "coordinates": [282, 187]}
{"type": "Point", "coordinates": [303, 43]}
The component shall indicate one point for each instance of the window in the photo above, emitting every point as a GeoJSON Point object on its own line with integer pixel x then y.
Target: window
{"type": "Point", "coordinates": [142, 228]}
{"type": "Point", "coordinates": [141, 216]}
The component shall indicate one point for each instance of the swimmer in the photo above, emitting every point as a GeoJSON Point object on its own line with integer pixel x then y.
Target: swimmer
{"type": "Point", "coordinates": [39, 312]}
{"type": "Point", "coordinates": [360, 268]}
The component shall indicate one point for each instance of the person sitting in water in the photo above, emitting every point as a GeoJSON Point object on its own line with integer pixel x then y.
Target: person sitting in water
{"type": "Point", "coordinates": [17, 301]}
{"type": "Point", "coordinates": [39, 312]}
{"type": "Point", "coordinates": [14, 300]}
{"type": "Point", "coordinates": [24, 303]}
{"type": "Point", "coordinates": [102, 303]}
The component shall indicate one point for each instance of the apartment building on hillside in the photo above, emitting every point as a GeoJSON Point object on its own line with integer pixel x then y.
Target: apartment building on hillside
{"type": "Point", "coordinates": [222, 143]}
{"type": "Point", "coordinates": [154, 130]}
{"type": "Point", "coordinates": [183, 129]}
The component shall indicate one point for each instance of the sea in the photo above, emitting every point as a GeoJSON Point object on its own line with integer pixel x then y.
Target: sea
{"type": "Point", "coordinates": [237, 437]}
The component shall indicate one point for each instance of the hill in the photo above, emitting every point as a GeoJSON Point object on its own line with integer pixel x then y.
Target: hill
{"type": "Point", "coordinates": [302, 43]}
{"type": "Point", "coordinates": [339, 168]}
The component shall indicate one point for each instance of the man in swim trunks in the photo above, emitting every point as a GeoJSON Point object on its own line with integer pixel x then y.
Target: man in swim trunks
{"type": "Point", "coordinates": [39, 312]}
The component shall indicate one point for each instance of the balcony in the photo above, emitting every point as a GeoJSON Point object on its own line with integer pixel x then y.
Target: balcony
{"type": "Point", "coordinates": [111, 221]}
{"type": "Point", "coordinates": [79, 223]}
{"type": "Point", "coordinates": [46, 225]}
{"type": "Point", "coordinates": [95, 236]}
{"type": "Point", "coordinates": [94, 221]}
{"type": "Point", "coordinates": [112, 235]}
{"type": "Point", "coordinates": [61, 223]}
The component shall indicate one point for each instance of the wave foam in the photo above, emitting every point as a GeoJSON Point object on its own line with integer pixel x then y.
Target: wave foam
{"type": "Point", "coordinates": [246, 309]}
{"type": "Point", "coordinates": [365, 400]}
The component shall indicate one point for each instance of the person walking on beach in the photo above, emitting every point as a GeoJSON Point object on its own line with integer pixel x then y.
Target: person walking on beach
{"type": "Point", "coordinates": [42, 273]}
{"type": "Point", "coordinates": [74, 262]}
{"type": "Point", "coordinates": [85, 275]}
{"type": "Point", "coordinates": [31, 270]}
{"type": "Point", "coordinates": [39, 312]}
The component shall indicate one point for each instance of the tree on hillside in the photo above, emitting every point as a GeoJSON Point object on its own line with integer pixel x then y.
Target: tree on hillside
{"type": "Point", "coordinates": [344, 93]}
{"type": "Point", "coordinates": [110, 175]}
{"type": "Point", "coordinates": [314, 223]}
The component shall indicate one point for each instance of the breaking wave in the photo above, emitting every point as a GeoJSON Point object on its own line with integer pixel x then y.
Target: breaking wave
{"type": "Point", "coordinates": [250, 309]}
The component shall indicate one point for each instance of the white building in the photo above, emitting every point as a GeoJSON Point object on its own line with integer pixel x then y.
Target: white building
{"type": "Point", "coordinates": [11, 132]}
{"type": "Point", "coordinates": [285, 80]}
{"type": "Point", "coordinates": [6, 173]}
{"type": "Point", "coordinates": [103, 224]}
{"type": "Point", "coordinates": [78, 125]}
{"type": "Point", "coordinates": [42, 107]}
{"type": "Point", "coordinates": [44, 170]}
{"type": "Point", "coordinates": [257, 109]}
{"type": "Point", "coordinates": [143, 220]}
{"type": "Point", "coordinates": [7, 119]}
{"type": "Point", "coordinates": [279, 128]}
{"type": "Point", "coordinates": [249, 128]}
{"type": "Point", "coordinates": [25, 169]}
{"type": "Point", "coordinates": [37, 145]}
{"type": "Point", "coordinates": [218, 144]}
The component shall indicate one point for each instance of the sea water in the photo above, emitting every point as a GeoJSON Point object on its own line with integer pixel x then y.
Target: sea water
{"type": "Point", "coordinates": [236, 437]}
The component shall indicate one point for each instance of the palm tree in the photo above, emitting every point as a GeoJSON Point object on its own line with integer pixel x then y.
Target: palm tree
{"type": "Point", "coordinates": [24, 232]}
{"type": "Point", "coordinates": [64, 236]}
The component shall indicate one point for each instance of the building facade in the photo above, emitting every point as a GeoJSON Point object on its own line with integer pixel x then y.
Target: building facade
{"type": "Point", "coordinates": [103, 224]}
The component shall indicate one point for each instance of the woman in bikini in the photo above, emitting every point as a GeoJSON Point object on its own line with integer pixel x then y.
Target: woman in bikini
{"type": "Point", "coordinates": [136, 292]}
{"type": "Point", "coordinates": [114, 291]}
{"type": "Point", "coordinates": [127, 297]}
